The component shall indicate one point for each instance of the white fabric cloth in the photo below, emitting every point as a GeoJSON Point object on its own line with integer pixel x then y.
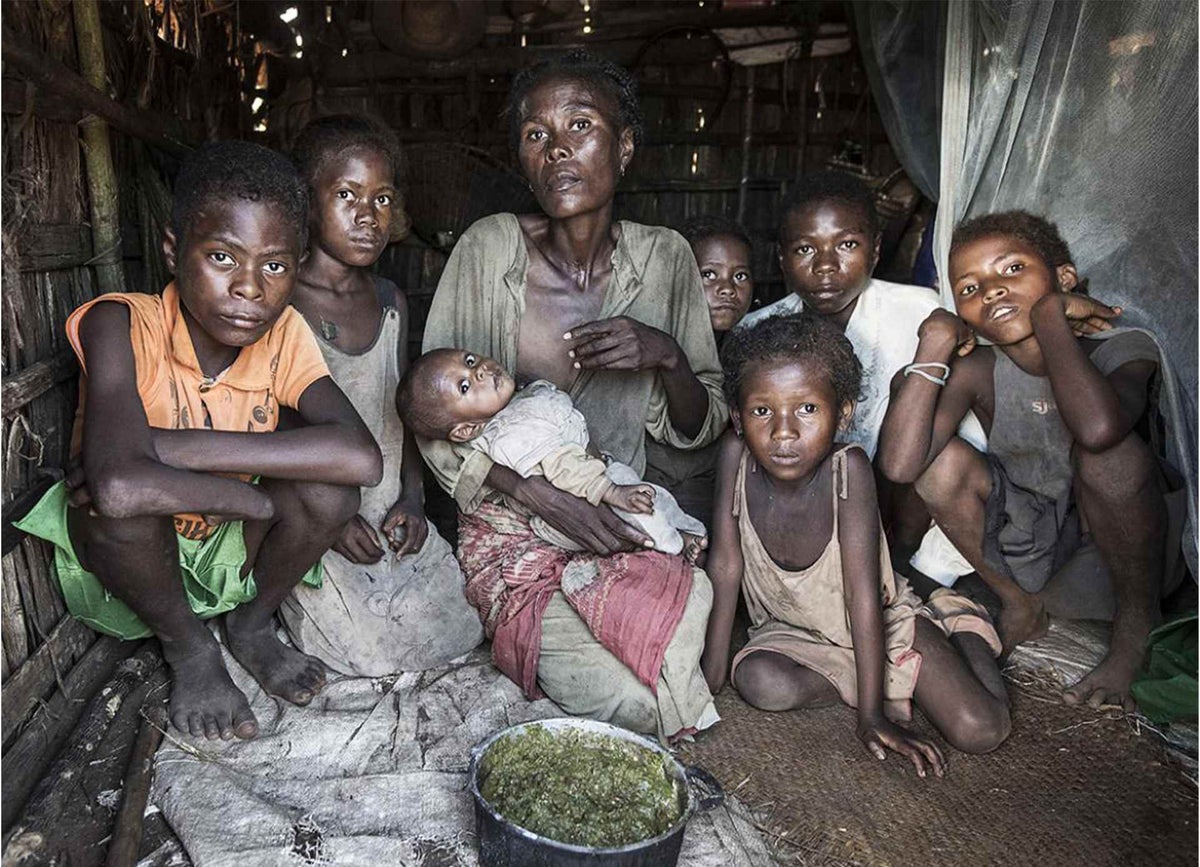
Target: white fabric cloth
{"type": "Point", "coordinates": [538, 423]}
{"type": "Point", "coordinates": [883, 331]}
{"type": "Point", "coordinates": [372, 772]}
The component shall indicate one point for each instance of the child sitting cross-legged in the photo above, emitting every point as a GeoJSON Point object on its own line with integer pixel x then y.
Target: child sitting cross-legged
{"type": "Point", "coordinates": [1067, 513]}
{"type": "Point", "coordinates": [797, 529]}
{"type": "Point", "coordinates": [188, 504]}
{"type": "Point", "coordinates": [459, 396]}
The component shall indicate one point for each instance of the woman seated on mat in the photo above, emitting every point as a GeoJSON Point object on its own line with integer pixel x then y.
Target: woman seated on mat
{"type": "Point", "coordinates": [613, 314]}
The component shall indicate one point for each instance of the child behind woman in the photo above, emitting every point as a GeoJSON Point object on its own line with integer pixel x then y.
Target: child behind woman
{"type": "Point", "coordinates": [383, 613]}
{"type": "Point", "coordinates": [461, 397]}
{"type": "Point", "coordinates": [797, 529]}
{"type": "Point", "coordinates": [723, 254]}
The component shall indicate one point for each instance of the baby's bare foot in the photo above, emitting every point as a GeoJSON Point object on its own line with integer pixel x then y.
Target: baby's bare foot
{"type": "Point", "coordinates": [693, 547]}
{"type": "Point", "coordinates": [280, 670]}
{"type": "Point", "coordinates": [1021, 621]}
{"type": "Point", "coordinates": [204, 700]}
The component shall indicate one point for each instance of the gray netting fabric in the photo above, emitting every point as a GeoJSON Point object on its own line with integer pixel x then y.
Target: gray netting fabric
{"type": "Point", "coordinates": [1081, 110]}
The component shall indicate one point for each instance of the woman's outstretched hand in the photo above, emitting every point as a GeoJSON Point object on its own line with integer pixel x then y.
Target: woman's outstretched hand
{"type": "Point", "coordinates": [621, 343]}
{"type": "Point", "coordinates": [882, 735]}
{"type": "Point", "coordinates": [596, 528]}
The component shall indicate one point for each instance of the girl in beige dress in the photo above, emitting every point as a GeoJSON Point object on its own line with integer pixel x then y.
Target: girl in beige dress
{"type": "Point", "coordinates": [796, 528]}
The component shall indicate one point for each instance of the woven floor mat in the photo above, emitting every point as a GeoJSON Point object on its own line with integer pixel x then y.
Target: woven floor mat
{"type": "Point", "coordinates": [1070, 786]}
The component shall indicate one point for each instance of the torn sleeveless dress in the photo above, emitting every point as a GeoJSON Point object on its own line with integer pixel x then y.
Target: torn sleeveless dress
{"type": "Point", "coordinates": [380, 618]}
{"type": "Point", "coordinates": [802, 613]}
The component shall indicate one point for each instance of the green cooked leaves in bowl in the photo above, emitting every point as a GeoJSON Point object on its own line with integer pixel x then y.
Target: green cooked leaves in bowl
{"type": "Point", "coordinates": [579, 787]}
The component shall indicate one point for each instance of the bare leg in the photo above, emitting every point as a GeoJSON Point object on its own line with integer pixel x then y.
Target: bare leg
{"type": "Point", "coordinates": [906, 519]}
{"type": "Point", "coordinates": [1119, 494]}
{"type": "Point", "coordinates": [137, 559]}
{"type": "Point", "coordinates": [970, 710]}
{"type": "Point", "coordinates": [956, 487]}
{"type": "Point", "coordinates": [308, 518]}
{"type": "Point", "coordinates": [770, 681]}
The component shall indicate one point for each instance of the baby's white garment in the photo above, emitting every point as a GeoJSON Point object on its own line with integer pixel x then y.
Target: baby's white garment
{"type": "Point", "coordinates": [541, 433]}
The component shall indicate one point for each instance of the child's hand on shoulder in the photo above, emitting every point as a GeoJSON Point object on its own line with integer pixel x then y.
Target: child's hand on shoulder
{"type": "Point", "coordinates": [405, 527]}
{"type": "Point", "coordinates": [881, 735]}
{"type": "Point", "coordinates": [1084, 314]}
{"type": "Point", "coordinates": [942, 329]}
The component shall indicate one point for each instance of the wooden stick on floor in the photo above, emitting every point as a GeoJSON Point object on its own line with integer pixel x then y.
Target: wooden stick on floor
{"type": "Point", "coordinates": [127, 832]}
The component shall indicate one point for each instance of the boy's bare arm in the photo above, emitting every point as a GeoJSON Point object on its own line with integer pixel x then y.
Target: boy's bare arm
{"type": "Point", "coordinates": [858, 538]}
{"type": "Point", "coordinates": [1099, 411]}
{"type": "Point", "coordinates": [334, 446]}
{"type": "Point", "coordinates": [922, 416]}
{"type": "Point", "coordinates": [124, 475]}
{"type": "Point", "coordinates": [725, 565]}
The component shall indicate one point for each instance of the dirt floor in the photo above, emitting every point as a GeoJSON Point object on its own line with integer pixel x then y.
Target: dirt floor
{"type": "Point", "coordinates": [1070, 786]}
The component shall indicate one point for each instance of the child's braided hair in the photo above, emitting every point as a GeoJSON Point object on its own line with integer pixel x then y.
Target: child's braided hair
{"type": "Point", "coordinates": [799, 337]}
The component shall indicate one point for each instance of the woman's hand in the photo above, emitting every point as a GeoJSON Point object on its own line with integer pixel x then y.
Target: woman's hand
{"type": "Point", "coordinates": [596, 528]}
{"type": "Point", "coordinates": [358, 542]}
{"type": "Point", "coordinates": [408, 514]}
{"type": "Point", "coordinates": [880, 735]}
{"type": "Point", "coordinates": [942, 328]}
{"type": "Point", "coordinates": [1084, 314]}
{"type": "Point", "coordinates": [621, 343]}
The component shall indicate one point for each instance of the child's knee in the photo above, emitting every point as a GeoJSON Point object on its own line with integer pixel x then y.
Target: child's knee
{"type": "Point", "coordinates": [980, 728]}
{"type": "Point", "coordinates": [760, 682]}
{"type": "Point", "coordinates": [326, 505]}
{"type": "Point", "coordinates": [106, 541]}
{"type": "Point", "coordinates": [958, 470]}
{"type": "Point", "coordinates": [1115, 473]}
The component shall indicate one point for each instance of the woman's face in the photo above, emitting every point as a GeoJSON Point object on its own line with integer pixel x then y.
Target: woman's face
{"type": "Point", "coordinates": [571, 148]}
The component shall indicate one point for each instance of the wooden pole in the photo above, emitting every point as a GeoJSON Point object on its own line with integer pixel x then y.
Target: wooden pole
{"type": "Point", "coordinates": [26, 759]}
{"type": "Point", "coordinates": [52, 76]}
{"type": "Point", "coordinates": [747, 143]}
{"type": "Point", "coordinates": [97, 153]}
{"type": "Point", "coordinates": [127, 830]}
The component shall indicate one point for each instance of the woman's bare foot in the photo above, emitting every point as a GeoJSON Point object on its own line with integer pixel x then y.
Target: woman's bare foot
{"type": "Point", "coordinates": [693, 547]}
{"type": "Point", "coordinates": [280, 670]}
{"type": "Point", "coordinates": [204, 700]}
{"type": "Point", "coordinates": [1022, 619]}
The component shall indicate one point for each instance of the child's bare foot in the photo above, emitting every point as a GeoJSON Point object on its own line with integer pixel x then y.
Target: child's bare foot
{"type": "Point", "coordinates": [1021, 620]}
{"type": "Point", "coordinates": [693, 547]}
{"type": "Point", "coordinates": [1108, 683]}
{"type": "Point", "coordinates": [204, 700]}
{"type": "Point", "coordinates": [280, 670]}
{"type": "Point", "coordinates": [638, 499]}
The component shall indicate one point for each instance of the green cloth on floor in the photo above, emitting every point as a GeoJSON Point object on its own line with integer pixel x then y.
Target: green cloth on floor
{"type": "Point", "coordinates": [1167, 691]}
{"type": "Point", "coordinates": [211, 571]}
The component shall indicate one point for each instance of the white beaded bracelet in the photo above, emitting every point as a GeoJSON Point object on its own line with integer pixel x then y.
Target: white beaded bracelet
{"type": "Point", "coordinates": [918, 369]}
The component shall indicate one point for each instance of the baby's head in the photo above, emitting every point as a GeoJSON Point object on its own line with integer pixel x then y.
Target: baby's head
{"type": "Point", "coordinates": [723, 251]}
{"type": "Point", "coordinates": [1000, 265]}
{"type": "Point", "coordinates": [237, 238]}
{"type": "Point", "coordinates": [791, 383]}
{"type": "Point", "coordinates": [829, 242]}
{"type": "Point", "coordinates": [450, 394]}
{"type": "Point", "coordinates": [351, 163]}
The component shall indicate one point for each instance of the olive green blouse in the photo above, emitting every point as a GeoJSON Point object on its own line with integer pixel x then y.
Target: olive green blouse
{"type": "Point", "coordinates": [478, 307]}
